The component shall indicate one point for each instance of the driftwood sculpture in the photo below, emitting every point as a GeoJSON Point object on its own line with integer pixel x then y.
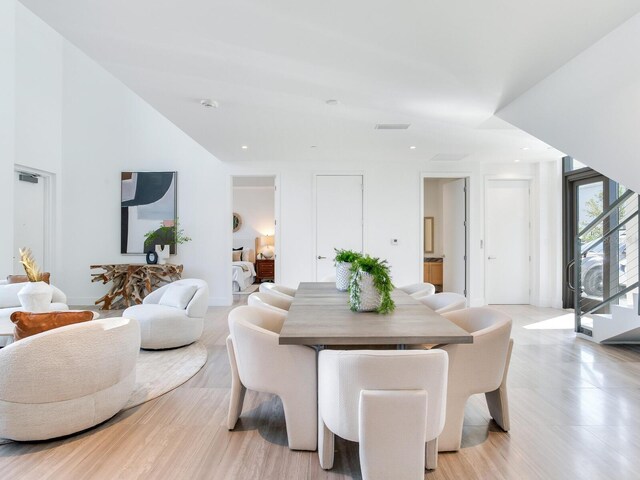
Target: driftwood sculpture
{"type": "Point", "coordinates": [132, 282]}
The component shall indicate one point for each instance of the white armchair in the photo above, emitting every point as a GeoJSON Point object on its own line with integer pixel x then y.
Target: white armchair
{"type": "Point", "coordinates": [275, 289]}
{"type": "Point", "coordinates": [418, 290]}
{"type": "Point", "coordinates": [259, 363]}
{"type": "Point", "coordinates": [270, 302]}
{"type": "Point", "coordinates": [173, 320]}
{"type": "Point", "coordinates": [478, 367]}
{"type": "Point", "coordinates": [391, 402]}
{"type": "Point", "coordinates": [67, 379]}
{"type": "Point", "coordinates": [444, 302]}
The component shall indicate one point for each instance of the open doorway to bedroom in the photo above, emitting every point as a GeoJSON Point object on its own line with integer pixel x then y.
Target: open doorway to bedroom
{"type": "Point", "coordinates": [254, 257]}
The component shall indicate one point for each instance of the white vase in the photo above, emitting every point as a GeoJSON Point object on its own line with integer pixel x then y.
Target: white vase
{"type": "Point", "coordinates": [343, 275]}
{"type": "Point", "coordinates": [163, 253]}
{"type": "Point", "coordinates": [370, 298]}
{"type": "Point", "coordinates": [36, 297]}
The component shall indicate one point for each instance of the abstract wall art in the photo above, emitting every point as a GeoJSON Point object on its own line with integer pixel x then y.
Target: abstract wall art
{"type": "Point", "coordinates": [148, 203]}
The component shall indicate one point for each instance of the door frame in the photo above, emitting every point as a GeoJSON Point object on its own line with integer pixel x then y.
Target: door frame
{"type": "Point", "coordinates": [314, 209]}
{"type": "Point", "coordinates": [469, 182]}
{"type": "Point", "coordinates": [532, 258]}
{"type": "Point", "coordinates": [276, 212]}
{"type": "Point", "coordinates": [49, 185]}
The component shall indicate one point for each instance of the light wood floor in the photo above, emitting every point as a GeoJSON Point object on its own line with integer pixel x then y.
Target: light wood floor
{"type": "Point", "coordinates": [575, 413]}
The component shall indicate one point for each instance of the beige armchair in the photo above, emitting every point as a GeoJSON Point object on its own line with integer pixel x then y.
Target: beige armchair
{"type": "Point", "coordinates": [444, 302]}
{"type": "Point", "coordinates": [259, 363]}
{"type": "Point", "coordinates": [419, 290]}
{"type": "Point", "coordinates": [391, 402]}
{"type": "Point", "coordinates": [478, 367]}
{"type": "Point", "coordinates": [270, 302]}
{"type": "Point", "coordinates": [275, 289]}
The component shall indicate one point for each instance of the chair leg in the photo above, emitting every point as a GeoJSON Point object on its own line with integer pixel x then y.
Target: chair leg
{"type": "Point", "coordinates": [326, 445]}
{"type": "Point", "coordinates": [237, 388]}
{"type": "Point", "coordinates": [301, 418]}
{"type": "Point", "coordinates": [451, 436]}
{"type": "Point", "coordinates": [431, 454]}
{"type": "Point", "coordinates": [498, 400]}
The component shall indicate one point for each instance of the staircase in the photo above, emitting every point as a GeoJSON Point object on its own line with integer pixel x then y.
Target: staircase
{"type": "Point", "coordinates": [606, 274]}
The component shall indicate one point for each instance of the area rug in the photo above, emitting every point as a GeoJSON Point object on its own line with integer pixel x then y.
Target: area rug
{"type": "Point", "coordinates": [160, 371]}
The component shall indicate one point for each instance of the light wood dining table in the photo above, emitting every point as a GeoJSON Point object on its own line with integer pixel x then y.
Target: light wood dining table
{"type": "Point", "coordinates": [320, 316]}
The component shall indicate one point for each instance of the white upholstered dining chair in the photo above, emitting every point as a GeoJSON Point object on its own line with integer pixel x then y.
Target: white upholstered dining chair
{"type": "Point", "coordinates": [391, 402]}
{"type": "Point", "coordinates": [269, 301]}
{"type": "Point", "coordinates": [478, 367]}
{"type": "Point", "coordinates": [418, 290]}
{"type": "Point", "coordinates": [259, 363]}
{"type": "Point", "coordinates": [444, 302]}
{"type": "Point", "coordinates": [276, 289]}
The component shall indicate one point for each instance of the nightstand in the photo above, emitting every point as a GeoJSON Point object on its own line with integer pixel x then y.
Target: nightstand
{"type": "Point", "coordinates": [265, 270]}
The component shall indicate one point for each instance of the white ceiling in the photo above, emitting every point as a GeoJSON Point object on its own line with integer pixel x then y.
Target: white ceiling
{"type": "Point", "coordinates": [444, 66]}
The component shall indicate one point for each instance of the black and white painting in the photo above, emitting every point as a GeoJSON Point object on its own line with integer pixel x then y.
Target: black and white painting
{"type": "Point", "coordinates": [148, 204]}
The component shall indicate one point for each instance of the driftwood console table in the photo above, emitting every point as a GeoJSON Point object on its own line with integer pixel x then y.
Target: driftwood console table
{"type": "Point", "coordinates": [132, 282]}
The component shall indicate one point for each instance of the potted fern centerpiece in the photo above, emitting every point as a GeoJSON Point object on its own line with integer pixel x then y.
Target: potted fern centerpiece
{"type": "Point", "coordinates": [370, 286]}
{"type": "Point", "coordinates": [343, 261]}
{"type": "Point", "coordinates": [164, 240]}
{"type": "Point", "coordinates": [36, 295]}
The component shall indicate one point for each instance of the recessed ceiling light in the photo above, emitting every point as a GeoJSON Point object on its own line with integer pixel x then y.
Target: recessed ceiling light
{"type": "Point", "coordinates": [412, 147]}
{"type": "Point", "coordinates": [208, 103]}
{"type": "Point", "coordinates": [244, 147]}
{"type": "Point", "coordinates": [314, 146]}
{"type": "Point", "coordinates": [332, 101]}
{"type": "Point", "coordinates": [525, 148]}
{"type": "Point", "coordinates": [517, 160]}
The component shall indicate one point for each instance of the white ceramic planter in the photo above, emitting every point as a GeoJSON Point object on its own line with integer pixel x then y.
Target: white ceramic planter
{"type": "Point", "coordinates": [163, 253]}
{"type": "Point", "coordinates": [35, 297]}
{"type": "Point", "coordinates": [343, 275]}
{"type": "Point", "coordinates": [370, 298]}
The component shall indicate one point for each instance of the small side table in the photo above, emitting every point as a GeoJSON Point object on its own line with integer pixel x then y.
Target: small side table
{"type": "Point", "coordinates": [265, 270]}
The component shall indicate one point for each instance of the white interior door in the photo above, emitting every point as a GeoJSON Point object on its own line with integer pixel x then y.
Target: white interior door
{"type": "Point", "coordinates": [338, 218]}
{"type": "Point", "coordinates": [507, 242]}
{"type": "Point", "coordinates": [454, 238]}
{"type": "Point", "coordinates": [29, 221]}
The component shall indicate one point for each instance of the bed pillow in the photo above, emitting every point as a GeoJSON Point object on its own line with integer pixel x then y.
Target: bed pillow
{"type": "Point", "coordinates": [178, 296]}
{"type": "Point", "coordinates": [237, 249]}
{"type": "Point", "coordinates": [27, 323]}
{"type": "Point", "coordinates": [9, 295]}
{"type": "Point", "coordinates": [236, 257]}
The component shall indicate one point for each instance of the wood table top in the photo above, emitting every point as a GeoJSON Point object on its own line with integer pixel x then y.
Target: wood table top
{"type": "Point", "coordinates": [320, 315]}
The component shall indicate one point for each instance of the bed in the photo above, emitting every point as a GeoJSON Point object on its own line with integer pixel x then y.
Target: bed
{"type": "Point", "coordinates": [243, 272]}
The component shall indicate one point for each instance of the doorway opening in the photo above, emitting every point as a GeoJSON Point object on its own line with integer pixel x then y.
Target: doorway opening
{"type": "Point", "coordinates": [255, 232]}
{"type": "Point", "coordinates": [445, 233]}
{"type": "Point", "coordinates": [33, 217]}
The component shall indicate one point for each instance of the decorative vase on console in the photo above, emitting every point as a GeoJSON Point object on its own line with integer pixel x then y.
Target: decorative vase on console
{"type": "Point", "coordinates": [343, 261]}
{"type": "Point", "coordinates": [163, 253]}
{"type": "Point", "coordinates": [36, 295]}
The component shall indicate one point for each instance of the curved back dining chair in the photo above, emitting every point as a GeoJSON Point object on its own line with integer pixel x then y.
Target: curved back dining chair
{"type": "Point", "coordinates": [444, 302]}
{"type": "Point", "coordinates": [275, 289]}
{"type": "Point", "coordinates": [391, 402]}
{"type": "Point", "coordinates": [259, 363]}
{"type": "Point", "coordinates": [270, 301]}
{"type": "Point", "coordinates": [478, 367]}
{"type": "Point", "coordinates": [418, 290]}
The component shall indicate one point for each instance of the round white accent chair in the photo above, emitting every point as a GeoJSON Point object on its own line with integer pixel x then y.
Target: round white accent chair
{"type": "Point", "coordinates": [258, 362]}
{"type": "Point", "coordinates": [275, 289]}
{"type": "Point", "coordinates": [478, 367]}
{"type": "Point", "coordinates": [418, 290]}
{"type": "Point", "coordinates": [391, 402]}
{"type": "Point", "coordinates": [444, 302]}
{"type": "Point", "coordinates": [174, 320]}
{"type": "Point", "coordinates": [270, 302]}
{"type": "Point", "coordinates": [67, 379]}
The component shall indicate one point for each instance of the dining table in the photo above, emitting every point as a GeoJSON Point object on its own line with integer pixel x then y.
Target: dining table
{"type": "Point", "coordinates": [320, 316]}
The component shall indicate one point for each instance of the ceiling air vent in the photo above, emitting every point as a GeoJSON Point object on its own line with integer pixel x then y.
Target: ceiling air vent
{"type": "Point", "coordinates": [448, 157]}
{"type": "Point", "coordinates": [392, 126]}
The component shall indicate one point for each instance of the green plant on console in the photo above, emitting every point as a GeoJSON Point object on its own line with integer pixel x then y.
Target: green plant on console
{"type": "Point", "coordinates": [379, 270]}
{"type": "Point", "coordinates": [346, 256]}
{"type": "Point", "coordinates": [166, 236]}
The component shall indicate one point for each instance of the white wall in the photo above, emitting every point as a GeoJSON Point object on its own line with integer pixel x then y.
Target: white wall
{"type": "Point", "coordinates": [256, 206]}
{"type": "Point", "coordinates": [589, 107]}
{"type": "Point", "coordinates": [105, 129]}
{"type": "Point", "coordinates": [7, 131]}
